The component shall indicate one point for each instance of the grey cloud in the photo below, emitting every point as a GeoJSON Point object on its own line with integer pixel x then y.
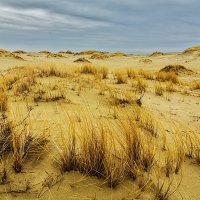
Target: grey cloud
{"type": "Point", "coordinates": [42, 18]}
{"type": "Point", "coordinates": [128, 25]}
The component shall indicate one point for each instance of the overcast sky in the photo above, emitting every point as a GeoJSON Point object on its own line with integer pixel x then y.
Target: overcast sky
{"type": "Point", "coordinates": [132, 26]}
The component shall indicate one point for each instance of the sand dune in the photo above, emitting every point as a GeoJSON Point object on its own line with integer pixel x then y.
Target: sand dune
{"type": "Point", "coordinates": [120, 127]}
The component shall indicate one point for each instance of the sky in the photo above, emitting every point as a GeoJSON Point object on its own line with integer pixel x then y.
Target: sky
{"type": "Point", "coordinates": [131, 26]}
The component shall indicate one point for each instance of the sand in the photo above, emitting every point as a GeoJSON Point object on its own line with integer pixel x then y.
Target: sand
{"type": "Point", "coordinates": [180, 109]}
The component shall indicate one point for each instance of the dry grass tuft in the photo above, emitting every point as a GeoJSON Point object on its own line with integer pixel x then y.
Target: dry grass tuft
{"type": "Point", "coordinates": [149, 124]}
{"type": "Point", "coordinates": [139, 149]}
{"type": "Point", "coordinates": [67, 153]}
{"type": "Point", "coordinates": [4, 172]}
{"type": "Point", "coordinates": [93, 150]}
{"type": "Point", "coordinates": [88, 69]}
{"type": "Point", "coordinates": [192, 146]}
{"type": "Point", "coordinates": [5, 135]}
{"type": "Point", "coordinates": [195, 85]}
{"type": "Point", "coordinates": [114, 169]}
{"type": "Point", "coordinates": [99, 55]}
{"type": "Point", "coordinates": [3, 100]}
{"type": "Point", "coordinates": [140, 85]}
{"type": "Point", "coordinates": [131, 73]}
{"type": "Point", "coordinates": [148, 154]}
{"type": "Point", "coordinates": [146, 74]}
{"type": "Point", "coordinates": [180, 158]}
{"type": "Point", "coordinates": [9, 80]}
{"type": "Point", "coordinates": [44, 93]}
{"type": "Point", "coordinates": [57, 71]}
{"type": "Point", "coordinates": [104, 72]}
{"type": "Point", "coordinates": [23, 87]}
{"type": "Point", "coordinates": [159, 90]}
{"type": "Point", "coordinates": [169, 164]}
{"type": "Point", "coordinates": [167, 76]}
{"type": "Point", "coordinates": [132, 147]}
{"type": "Point", "coordinates": [121, 76]}
{"type": "Point", "coordinates": [190, 141]}
{"type": "Point", "coordinates": [170, 87]}
{"type": "Point", "coordinates": [121, 98]}
{"type": "Point", "coordinates": [24, 145]}
{"type": "Point", "coordinates": [164, 188]}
